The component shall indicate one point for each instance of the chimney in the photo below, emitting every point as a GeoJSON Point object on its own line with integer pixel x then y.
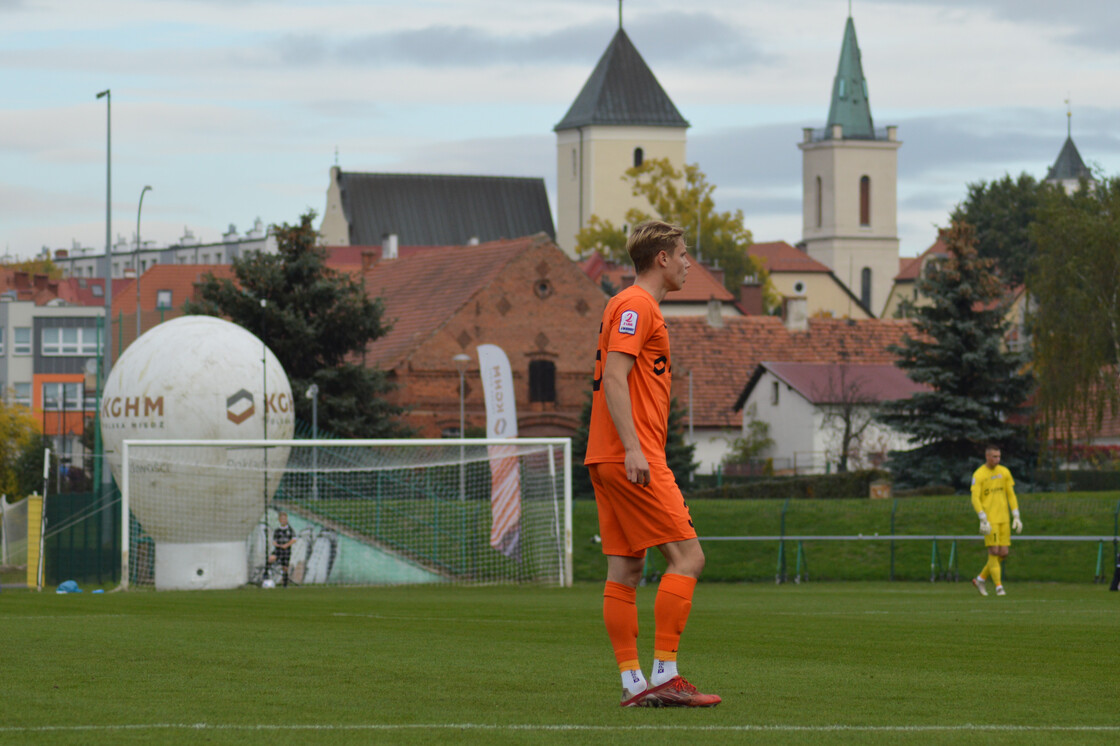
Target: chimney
{"type": "Point", "coordinates": [715, 315]}
{"type": "Point", "coordinates": [750, 296]}
{"type": "Point", "coordinates": [40, 281]}
{"type": "Point", "coordinates": [369, 258]}
{"type": "Point", "coordinates": [795, 314]}
{"type": "Point", "coordinates": [389, 246]}
{"type": "Point", "coordinates": [626, 281]}
{"type": "Point", "coordinates": [717, 272]}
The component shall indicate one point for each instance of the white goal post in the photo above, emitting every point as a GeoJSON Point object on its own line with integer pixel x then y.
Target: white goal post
{"type": "Point", "coordinates": [204, 513]}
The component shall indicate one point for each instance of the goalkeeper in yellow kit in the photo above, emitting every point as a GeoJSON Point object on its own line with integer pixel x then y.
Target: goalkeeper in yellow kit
{"type": "Point", "coordinates": [993, 499]}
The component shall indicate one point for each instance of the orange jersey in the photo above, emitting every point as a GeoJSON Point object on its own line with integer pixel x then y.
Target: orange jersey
{"type": "Point", "coordinates": [633, 324]}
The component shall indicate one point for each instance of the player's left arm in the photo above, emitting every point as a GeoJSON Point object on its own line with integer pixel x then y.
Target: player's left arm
{"type": "Point", "coordinates": [1013, 504]}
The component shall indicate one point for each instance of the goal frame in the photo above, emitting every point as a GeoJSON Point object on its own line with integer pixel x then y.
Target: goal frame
{"type": "Point", "coordinates": [564, 444]}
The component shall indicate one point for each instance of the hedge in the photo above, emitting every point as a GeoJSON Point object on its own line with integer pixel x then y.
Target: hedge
{"type": "Point", "coordinates": [816, 486]}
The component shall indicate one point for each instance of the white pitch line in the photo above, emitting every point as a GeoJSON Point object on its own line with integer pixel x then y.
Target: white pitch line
{"type": "Point", "coordinates": [444, 619]}
{"type": "Point", "coordinates": [964, 727]}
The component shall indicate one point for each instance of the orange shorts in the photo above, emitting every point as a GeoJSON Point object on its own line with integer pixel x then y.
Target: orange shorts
{"type": "Point", "coordinates": [634, 517]}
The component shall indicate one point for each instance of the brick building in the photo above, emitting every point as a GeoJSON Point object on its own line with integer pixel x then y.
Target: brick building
{"type": "Point", "coordinates": [524, 295]}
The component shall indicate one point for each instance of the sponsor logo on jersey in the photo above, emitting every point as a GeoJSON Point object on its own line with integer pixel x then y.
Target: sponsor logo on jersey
{"type": "Point", "coordinates": [628, 322]}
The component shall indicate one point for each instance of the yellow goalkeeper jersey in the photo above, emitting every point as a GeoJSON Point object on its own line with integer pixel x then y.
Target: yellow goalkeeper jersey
{"type": "Point", "coordinates": [993, 491]}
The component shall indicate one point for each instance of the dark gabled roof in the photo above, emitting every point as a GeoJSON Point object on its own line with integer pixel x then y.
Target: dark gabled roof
{"type": "Point", "coordinates": [1069, 165]}
{"type": "Point", "coordinates": [849, 107]}
{"type": "Point", "coordinates": [622, 90]}
{"type": "Point", "coordinates": [839, 382]}
{"type": "Point", "coordinates": [442, 210]}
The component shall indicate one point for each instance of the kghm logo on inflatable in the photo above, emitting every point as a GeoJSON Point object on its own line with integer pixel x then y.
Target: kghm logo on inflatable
{"type": "Point", "coordinates": [239, 407]}
{"type": "Point", "coordinates": [132, 406]}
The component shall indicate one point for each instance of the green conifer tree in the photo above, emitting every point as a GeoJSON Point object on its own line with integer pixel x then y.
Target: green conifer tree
{"type": "Point", "coordinates": [977, 386]}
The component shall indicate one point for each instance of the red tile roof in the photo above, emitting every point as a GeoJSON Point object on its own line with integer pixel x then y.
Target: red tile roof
{"type": "Point", "coordinates": [837, 383]}
{"type": "Point", "coordinates": [723, 359]}
{"type": "Point", "coordinates": [420, 294]}
{"type": "Point", "coordinates": [779, 256]}
{"type": "Point", "coordinates": [702, 284]}
{"type": "Point", "coordinates": [38, 288]}
{"type": "Point", "coordinates": [910, 268]}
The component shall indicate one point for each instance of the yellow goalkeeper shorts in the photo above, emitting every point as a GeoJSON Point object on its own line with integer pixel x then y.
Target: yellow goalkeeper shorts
{"type": "Point", "coordinates": [1000, 535]}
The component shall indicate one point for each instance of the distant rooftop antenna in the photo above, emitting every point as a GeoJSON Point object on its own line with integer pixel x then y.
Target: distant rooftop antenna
{"type": "Point", "coordinates": [336, 155]}
{"type": "Point", "coordinates": [1069, 118]}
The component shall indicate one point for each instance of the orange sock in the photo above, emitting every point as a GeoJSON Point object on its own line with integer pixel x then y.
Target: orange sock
{"type": "Point", "coordinates": [670, 614]}
{"type": "Point", "coordinates": [620, 612]}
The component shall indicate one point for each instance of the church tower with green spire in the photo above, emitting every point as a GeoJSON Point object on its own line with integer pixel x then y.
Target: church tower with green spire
{"type": "Point", "coordinates": [620, 118]}
{"type": "Point", "coordinates": [849, 187]}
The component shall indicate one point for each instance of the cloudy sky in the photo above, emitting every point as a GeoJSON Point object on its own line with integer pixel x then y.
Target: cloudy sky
{"type": "Point", "coordinates": [235, 109]}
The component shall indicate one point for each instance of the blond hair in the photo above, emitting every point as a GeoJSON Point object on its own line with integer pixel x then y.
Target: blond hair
{"type": "Point", "coordinates": [650, 238]}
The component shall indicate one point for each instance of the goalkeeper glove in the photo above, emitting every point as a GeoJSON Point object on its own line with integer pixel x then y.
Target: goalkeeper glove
{"type": "Point", "coordinates": [985, 527]}
{"type": "Point", "coordinates": [1015, 522]}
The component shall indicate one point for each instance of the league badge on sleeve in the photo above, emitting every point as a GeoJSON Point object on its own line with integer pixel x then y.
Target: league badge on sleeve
{"type": "Point", "coordinates": [628, 322]}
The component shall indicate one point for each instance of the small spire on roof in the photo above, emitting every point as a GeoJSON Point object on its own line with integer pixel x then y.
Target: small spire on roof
{"type": "Point", "coordinates": [620, 14]}
{"type": "Point", "coordinates": [1069, 118]}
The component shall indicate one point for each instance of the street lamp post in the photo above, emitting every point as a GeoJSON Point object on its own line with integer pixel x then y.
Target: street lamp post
{"type": "Point", "coordinates": [136, 261]}
{"type": "Point", "coordinates": [313, 395]}
{"type": "Point", "coordinates": [461, 361]}
{"type": "Point", "coordinates": [107, 350]}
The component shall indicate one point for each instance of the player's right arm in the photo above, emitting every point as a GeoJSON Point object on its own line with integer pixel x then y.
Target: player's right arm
{"type": "Point", "coordinates": [985, 527]}
{"type": "Point", "coordinates": [616, 390]}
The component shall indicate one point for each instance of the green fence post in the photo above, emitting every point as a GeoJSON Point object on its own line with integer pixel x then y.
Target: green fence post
{"type": "Point", "coordinates": [1098, 576]}
{"type": "Point", "coordinates": [934, 563]}
{"type": "Point", "coordinates": [951, 571]}
{"type": "Point", "coordinates": [781, 575]}
{"type": "Point", "coordinates": [894, 507]}
{"type": "Point", "coordinates": [801, 561]}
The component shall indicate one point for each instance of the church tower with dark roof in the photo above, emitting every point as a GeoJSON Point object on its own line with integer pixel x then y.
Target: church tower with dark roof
{"type": "Point", "coordinates": [850, 185]}
{"type": "Point", "coordinates": [1068, 170]}
{"type": "Point", "coordinates": [620, 118]}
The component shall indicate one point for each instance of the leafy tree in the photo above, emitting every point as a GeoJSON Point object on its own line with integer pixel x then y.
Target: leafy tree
{"type": "Point", "coordinates": [38, 266]}
{"type": "Point", "coordinates": [685, 199]}
{"type": "Point", "coordinates": [19, 441]}
{"type": "Point", "coordinates": [753, 443]}
{"type": "Point", "coordinates": [1002, 213]}
{"type": "Point", "coordinates": [317, 322]}
{"type": "Point", "coordinates": [976, 386]}
{"type": "Point", "coordinates": [678, 454]}
{"type": "Point", "coordinates": [1076, 286]}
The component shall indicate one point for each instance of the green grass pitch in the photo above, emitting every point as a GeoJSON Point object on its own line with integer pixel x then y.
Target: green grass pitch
{"type": "Point", "coordinates": [815, 663]}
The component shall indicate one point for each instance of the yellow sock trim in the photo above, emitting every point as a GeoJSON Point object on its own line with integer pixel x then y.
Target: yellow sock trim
{"type": "Point", "coordinates": [665, 655]}
{"type": "Point", "coordinates": [625, 666]}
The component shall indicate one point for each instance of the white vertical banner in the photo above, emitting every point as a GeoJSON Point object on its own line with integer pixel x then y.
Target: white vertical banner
{"type": "Point", "coordinates": [497, 388]}
{"type": "Point", "coordinates": [505, 474]}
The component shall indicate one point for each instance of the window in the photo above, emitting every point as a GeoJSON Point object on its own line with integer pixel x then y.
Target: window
{"type": "Point", "coordinates": [865, 287]}
{"type": "Point", "coordinates": [820, 197]}
{"type": "Point", "coordinates": [865, 200]}
{"type": "Point", "coordinates": [163, 299]}
{"type": "Point", "coordinates": [23, 394]}
{"type": "Point", "coordinates": [70, 341]}
{"type": "Point", "coordinates": [799, 287]}
{"type": "Point", "coordinates": [843, 91]}
{"type": "Point", "coordinates": [542, 381]}
{"type": "Point", "coordinates": [638, 156]}
{"type": "Point", "coordinates": [59, 396]}
{"type": "Point", "coordinates": [774, 393]}
{"type": "Point", "coordinates": [98, 291]}
{"type": "Point", "coordinates": [22, 343]}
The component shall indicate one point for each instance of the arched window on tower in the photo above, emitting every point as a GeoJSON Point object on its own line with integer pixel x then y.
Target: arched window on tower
{"type": "Point", "coordinates": [820, 198]}
{"type": "Point", "coordinates": [542, 381]}
{"type": "Point", "coordinates": [865, 200]}
{"type": "Point", "coordinates": [865, 287]}
{"type": "Point", "coordinates": [638, 156]}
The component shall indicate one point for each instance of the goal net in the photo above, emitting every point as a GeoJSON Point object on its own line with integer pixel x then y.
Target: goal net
{"type": "Point", "coordinates": [206, 514]}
